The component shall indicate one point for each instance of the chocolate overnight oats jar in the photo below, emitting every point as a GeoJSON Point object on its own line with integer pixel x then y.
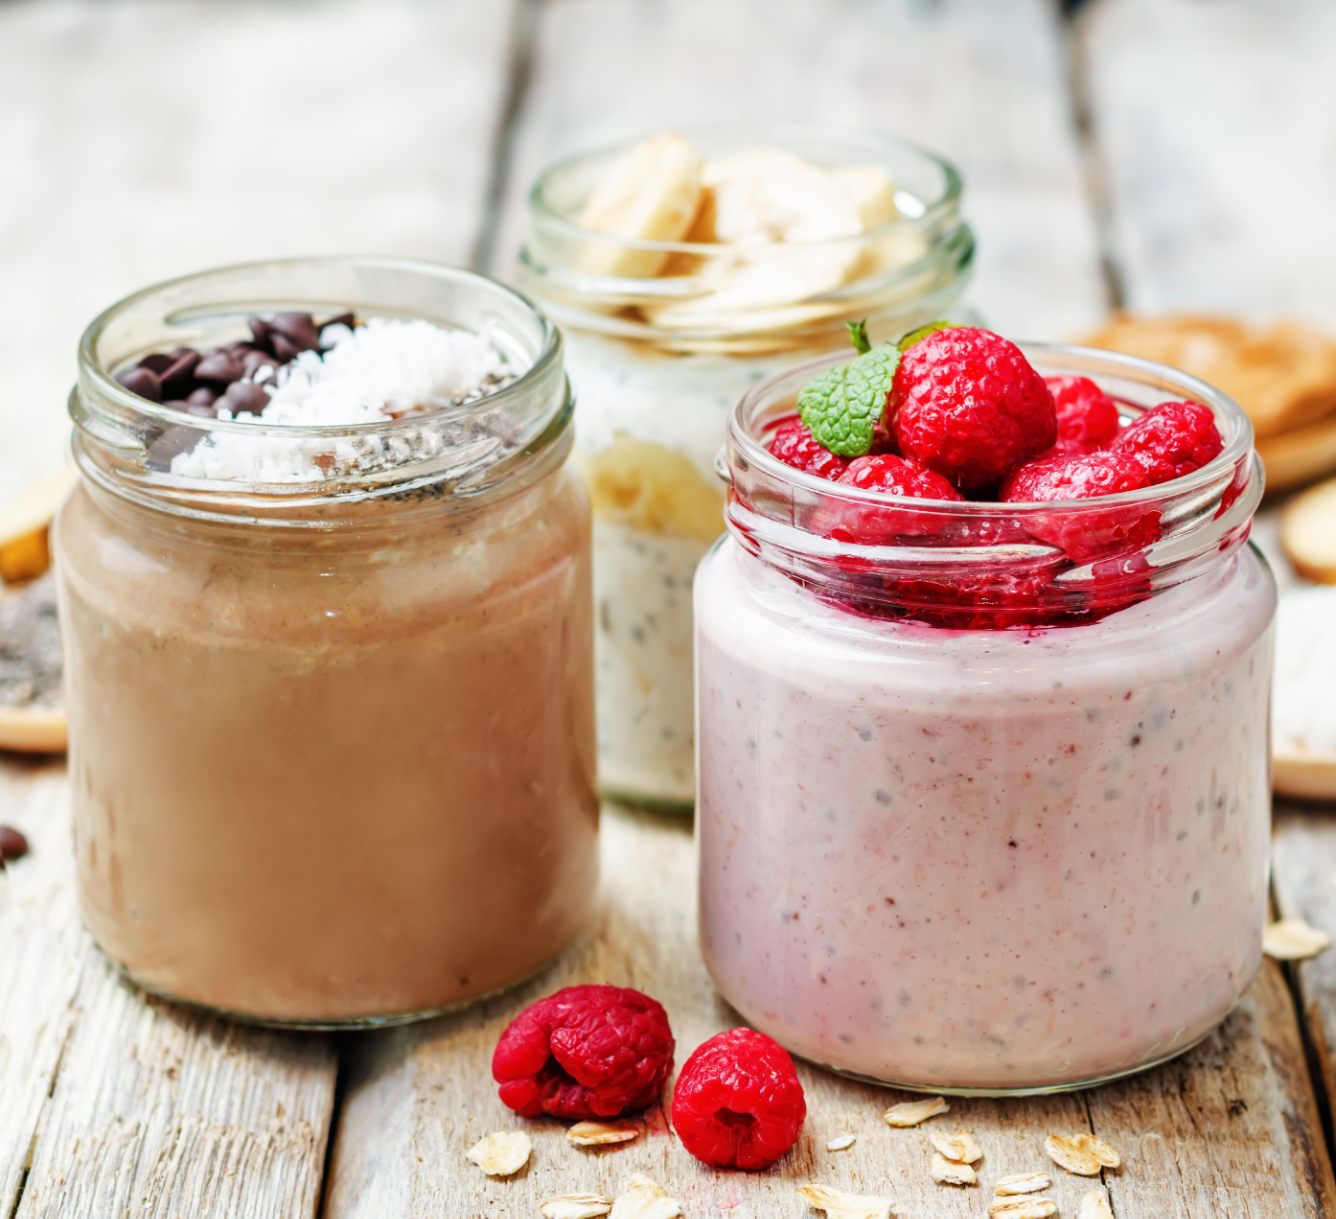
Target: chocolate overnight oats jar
{"type": "Point", "coordinates": [328, 641]}
{"type": "Point", "coordinates": [984, 793]}
{"type": "Point", "coordinates": [778, 234]}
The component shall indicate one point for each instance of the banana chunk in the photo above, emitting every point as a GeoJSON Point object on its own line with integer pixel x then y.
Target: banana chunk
{"type": "Point", "coordinates": [650, 193]}
{"type": "Point", "coordinates": [649, 487]}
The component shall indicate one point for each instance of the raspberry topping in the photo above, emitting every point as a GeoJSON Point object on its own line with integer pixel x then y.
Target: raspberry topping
{"type": "Point", "coordinates": [893, 475]}
{"type": "Point", "coordinates": [1087, 416]}
{"type": "Point", "coordinates": [967, 404]}
{"type": "Point", "coordinates": [1073, 476]}
{"type": "Point", "coordinates": [1171, 440]}
{"type": "Point", "coordinates": [1085, 535]}
{"type": "Point", "coordinates": [584, 1052]}
{"type": "Point", "coordinates": [795, 446]}
{"type": "Point", "coordinates": [738, 1102]}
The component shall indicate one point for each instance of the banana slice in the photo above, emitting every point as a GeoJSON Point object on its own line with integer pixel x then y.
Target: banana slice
{"type": "Point", "coordinates": [650, 193]}
{"type": "Point", "coordinates": [646, 486]}
{"type": "Point", "coordinates": [24, 554]}
{"type": "Point", "coordinates": [762, 197]}
{"type": "Point", "coordinates": [870, 190]}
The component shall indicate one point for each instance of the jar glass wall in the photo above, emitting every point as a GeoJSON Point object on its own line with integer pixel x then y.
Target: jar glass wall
{"type": "Point", "coordinates": [660, 348]}
{"type": "Point", "coordinates": [962, 832]}
{"type": "Point", "coordinates": [331, 737]}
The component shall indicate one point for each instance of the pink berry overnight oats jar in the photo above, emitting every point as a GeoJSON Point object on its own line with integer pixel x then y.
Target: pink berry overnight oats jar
{"type": "Point", "coordinates": [976, 816]}
{"type": "Point", "coordinates": [330, 685]}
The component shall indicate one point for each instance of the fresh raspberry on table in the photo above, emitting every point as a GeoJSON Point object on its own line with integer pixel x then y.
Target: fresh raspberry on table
{"type": "Point", "coordinates": [1083, 533]}
{"type": "Point", "coordinates": [1171, 440]}
{"type": "Point", "coordinates": [795, 446]}
{"type": "Point", "coordinates": [1087, 416]}
{"type": "Point", "coordinates": [738, 1102]}
{"type": "Point", "coordinates": [966, 403]}
{"type": "Point", "coordinates": [584, 1052]}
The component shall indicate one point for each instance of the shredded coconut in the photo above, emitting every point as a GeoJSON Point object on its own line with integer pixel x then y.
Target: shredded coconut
{"type": "Point", "coordinates": [384, 369]}
{"type": "Point", "coordinates": [1305, 702]}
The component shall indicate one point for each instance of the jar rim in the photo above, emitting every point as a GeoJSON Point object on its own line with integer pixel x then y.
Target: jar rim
{"type": "Point", "coordinates": [100, 377]}
{"type": "Point", "coordinates": [766, 134]}
{"type": "Point", "coordinates": [1238, 443]}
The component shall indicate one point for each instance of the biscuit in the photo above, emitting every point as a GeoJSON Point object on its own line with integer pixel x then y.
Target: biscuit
{"type": "Point", "coordinates": [1308, 533]}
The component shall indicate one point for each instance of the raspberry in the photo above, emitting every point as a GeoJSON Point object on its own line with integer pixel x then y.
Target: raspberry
{"type": "Point", "coordinates": [1171, 440]}
{"type": "Point", "coordinates": [795, 446]}
{"type": "Point", "coordinates": [738, 1102]}
{"type": "Point", "coordinates": [1087, 416]}
{"type": "Point", "coordinates": [1085, 534]}
{"type": "Point", "coordinates": [896, 476]}
{"type": "Point", "coordinates": [967, 404]}
{"type": "Point", "coordinates": [584, 1052]}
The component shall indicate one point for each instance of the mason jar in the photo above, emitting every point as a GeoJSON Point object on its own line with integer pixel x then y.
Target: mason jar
{"type": "Point", "coordinates": [984, 794]}
{"type": "Point", "coordinates": [658, 359]}
{"type": "Point", "coordinates": [331, 725]}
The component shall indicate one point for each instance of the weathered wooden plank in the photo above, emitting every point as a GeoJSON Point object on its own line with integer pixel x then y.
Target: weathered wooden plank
{"type": "Point", "coordinates": [1215, 138]}
{"type": "Point", "coordinates": [143, 140]}
{"type": "Point", "coordinates": [1233, 1121]}
{"type": "Point", "coordinates": [1304, 867]}
{"type": "Point", "coordinates": [981, 82]}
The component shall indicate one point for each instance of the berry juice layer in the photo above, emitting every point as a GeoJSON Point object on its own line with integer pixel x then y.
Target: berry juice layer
{"type": "Point", "coordinates": [340, 771]}
{"type": "Point", "coordinates": [970, 835]}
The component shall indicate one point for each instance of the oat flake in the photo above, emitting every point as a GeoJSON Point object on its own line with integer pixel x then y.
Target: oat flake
{"type": "Point", "coordinates": [841, 1142]}
{"type": "Point", "coordinates": [952, 1172]}
{"type": "Point", "coordinates": [1023, 1208]}
{"type": "Point", "coordinates": [501, 1154]}
{"type": "Point", "coordinates": [600, 1134]}
{"type": "Point", "coordinates": [1023, 1183]}
{"type": "Point", "coordinates": [959, 1146]}
{"type": "Point", "coordinates": [1291, 939]}
{"type": "Point", "coordinates": [837, 1204]}
{"type": "Point", "coordinates": [1083, 1154]}
{"type": "Point", "coordinates": [644, 1199]}
{"type": "Point", "coordinates": [1095, 1205]}
{"type": "Point", "coordinates": [576, 1206]}
{"type": "Point", "coordinates": [913, 1112]}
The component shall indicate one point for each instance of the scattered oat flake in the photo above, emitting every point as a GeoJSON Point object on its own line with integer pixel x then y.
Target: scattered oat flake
{"type": "Point", "coordinates": [1023, 1208]}
{"type": "Point", "coordinates": [1291, 939]}
{"type": "Point", "coordinates": [912, 1112]}
{"type": "Point", "coordinates": [1095, 1205]}
{"type": "Point", "coordinates": [952, 1172]}
{"type": "Point", "coordinates": [1023, 1183]}
{"type": "Point", "coordinates": [644, 1199]}
{"type": "Point", "coordinates": [959, 1147]}
{"type": "Point", "coordinates": [576, 1206]}
{"type": "Point", "coordinates": [836, 1204]}
{"type": "Point", "coordinates": [601, 1134]}
{"type": "Point", "coordinates": [1083, 1154]}
{"type": "Point", "coordinates": [841, 1142]}
{"type": "Point", "coordinates": [501, 1154]}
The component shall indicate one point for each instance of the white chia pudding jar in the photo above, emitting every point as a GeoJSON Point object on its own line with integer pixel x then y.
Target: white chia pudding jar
{"type": "Point", "coordinates": [657, 362]}
{"type": "Point", "coordinates": [1024, 858]}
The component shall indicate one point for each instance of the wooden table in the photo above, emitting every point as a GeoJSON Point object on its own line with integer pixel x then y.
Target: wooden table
{"type": "Point", "coordinates": [1161, 153]}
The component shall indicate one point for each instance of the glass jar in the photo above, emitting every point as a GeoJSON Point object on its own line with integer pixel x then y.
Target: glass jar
{"type": "Point", "coordinates": [657, 361]}
{"type": "Point", "coordinates": [984, 793]}
{"type": "Point", "coordinates": [331, 735]}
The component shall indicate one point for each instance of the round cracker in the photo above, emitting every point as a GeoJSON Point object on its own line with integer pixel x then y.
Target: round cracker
{"type": "Point", "coordinates": [1308, 532]}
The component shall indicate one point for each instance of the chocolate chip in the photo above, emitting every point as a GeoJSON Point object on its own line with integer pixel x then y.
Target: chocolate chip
{"type": "Point", "coordinates": [13, 845]}
{"type": "Point", "coordinates": [298, 328]}
{"type": "Point", "coordinates": [254, 360]}
{"type": "Point", "coordinates": [261, 329]}
{"type": "Point", "coordinates": [179, 376]}
{"type": "Point", "coordinates": [141, 381]}
{"type": "Point", "coordinates": [158, 362]}
{"type": "Point", "coordinates": [245, 396]}
{"type": "Point", "coordinates": [204, 396]}
{"type": "Point", "coordinates": [285, 349]}
{"type": "Point", "coordinates": [220, 366]}
{"type": "Point", "coordinates": [343, 319]}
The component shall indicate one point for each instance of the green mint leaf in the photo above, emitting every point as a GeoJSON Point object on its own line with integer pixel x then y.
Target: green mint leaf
{"type": "Point", "coordinates": [843, 406]}
{"type": "Point", "coordinates": [858, 336]}
{"type": "Point", "coordinates": [922, 332]}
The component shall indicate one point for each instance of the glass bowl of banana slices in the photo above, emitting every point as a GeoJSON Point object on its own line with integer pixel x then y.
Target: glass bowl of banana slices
{"type": "Point", "coordinates": [682, 268]}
